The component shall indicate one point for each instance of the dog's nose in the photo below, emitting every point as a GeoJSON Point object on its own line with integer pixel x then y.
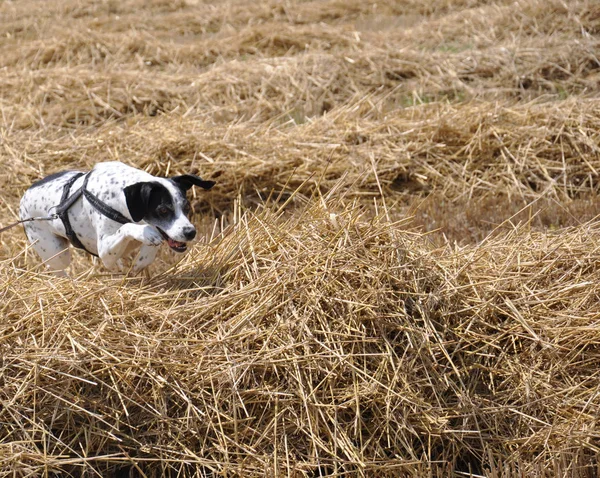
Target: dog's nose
{"type": "Point", "coordinates": [189, 233]}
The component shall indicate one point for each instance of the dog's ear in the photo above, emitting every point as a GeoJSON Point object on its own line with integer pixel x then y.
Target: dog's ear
{"type": "Point", "coordinates": [137, 197]}
{"type": "Point", "coordinates": [186, 181]}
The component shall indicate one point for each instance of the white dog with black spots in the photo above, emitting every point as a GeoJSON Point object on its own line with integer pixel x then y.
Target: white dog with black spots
{"type": "Point", "coordinates": [123, 208]}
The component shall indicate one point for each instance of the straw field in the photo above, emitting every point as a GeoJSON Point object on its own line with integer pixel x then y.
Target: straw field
{"type": "Point", "coordinates": [397, 271]}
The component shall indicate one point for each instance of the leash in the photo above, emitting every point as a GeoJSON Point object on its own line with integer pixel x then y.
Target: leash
{"type": "Point", "coordinates": [10, 226]}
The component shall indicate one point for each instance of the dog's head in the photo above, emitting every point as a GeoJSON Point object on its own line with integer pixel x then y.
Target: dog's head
{"type": "Point", "coordinates": [162, 203]}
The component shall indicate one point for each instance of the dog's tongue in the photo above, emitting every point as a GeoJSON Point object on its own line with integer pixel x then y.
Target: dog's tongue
{"type": "Point", "coordinates": [176, 244]}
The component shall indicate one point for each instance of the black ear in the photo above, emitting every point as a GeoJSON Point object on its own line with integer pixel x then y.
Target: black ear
{"type": "Point", "coordinates": [186, 181]}
{"type": "Point", "coordinates": [138, 196]}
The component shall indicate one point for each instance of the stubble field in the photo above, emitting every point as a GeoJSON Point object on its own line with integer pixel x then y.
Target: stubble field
{"type": "Point", "coordinates": [397, 272]}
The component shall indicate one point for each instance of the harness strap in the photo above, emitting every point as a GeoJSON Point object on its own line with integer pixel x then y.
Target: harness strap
{"type": "Point", "coordinates": [102, 207]}
{"type": "Point", "coordinates": [62, 210]}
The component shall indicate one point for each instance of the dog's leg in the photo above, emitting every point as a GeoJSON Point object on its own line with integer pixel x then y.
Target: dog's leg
{"type": "Point", "coordinates": [145, 257]}
{"type": "Point", "coordinates": [61, 259]}
{"type": "Point", "coordinates": [53, 250]}
{"type": "Point", "coordinates": [112, 247]}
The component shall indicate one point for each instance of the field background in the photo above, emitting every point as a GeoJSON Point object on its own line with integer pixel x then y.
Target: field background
{"type": "Point", "coordinates": [398, 268]}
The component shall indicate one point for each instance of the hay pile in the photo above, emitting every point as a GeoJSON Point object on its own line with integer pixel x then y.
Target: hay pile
{"type": "Point", "coordinates": [317, 343]}
{"type": "Point", "coordinates": [397, 269]}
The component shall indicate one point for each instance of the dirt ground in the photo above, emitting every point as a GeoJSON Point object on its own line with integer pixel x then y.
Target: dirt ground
{"type": "Point", "coordinates": [397, 269]}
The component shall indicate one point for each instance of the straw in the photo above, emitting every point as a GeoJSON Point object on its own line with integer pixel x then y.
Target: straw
{"type": "Point", "coordinates": [396, 271]}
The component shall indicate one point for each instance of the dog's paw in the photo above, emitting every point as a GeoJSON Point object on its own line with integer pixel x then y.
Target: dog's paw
{"type": "Point", "coordinates": [152, 237]}
{"type": "Point", "coordinates": [113, 265]}
{"type": "Point", "coordinates": [147, 235]}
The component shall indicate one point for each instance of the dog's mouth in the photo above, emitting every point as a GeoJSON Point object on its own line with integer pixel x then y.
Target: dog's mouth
{"type": "Point", "coordinates": [177, 246]}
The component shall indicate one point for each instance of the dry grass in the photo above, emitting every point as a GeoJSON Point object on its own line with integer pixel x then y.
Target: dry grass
{"type": "Point", "coordinates": [397, 271]}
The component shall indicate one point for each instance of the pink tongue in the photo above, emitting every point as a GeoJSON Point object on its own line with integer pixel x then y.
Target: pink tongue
{"type": "Point", "coordinates": [173, 243]}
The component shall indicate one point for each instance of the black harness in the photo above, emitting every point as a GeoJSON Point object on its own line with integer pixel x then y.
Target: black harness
{"type": "Point", "coordinates": [66, 201]}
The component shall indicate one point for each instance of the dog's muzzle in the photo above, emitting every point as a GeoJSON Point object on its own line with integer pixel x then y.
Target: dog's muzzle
{"type": "Point", "coordinates": [177, 246]}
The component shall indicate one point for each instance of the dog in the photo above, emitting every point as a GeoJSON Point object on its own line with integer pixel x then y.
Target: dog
{"type": "Point", "coordinates": [109, 212]}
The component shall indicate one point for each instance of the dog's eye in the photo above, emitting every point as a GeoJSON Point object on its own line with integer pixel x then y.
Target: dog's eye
{"type": "Point", "coordinates": [162, 210]}
{"type": "Point", "coordinates": [187, 209]}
